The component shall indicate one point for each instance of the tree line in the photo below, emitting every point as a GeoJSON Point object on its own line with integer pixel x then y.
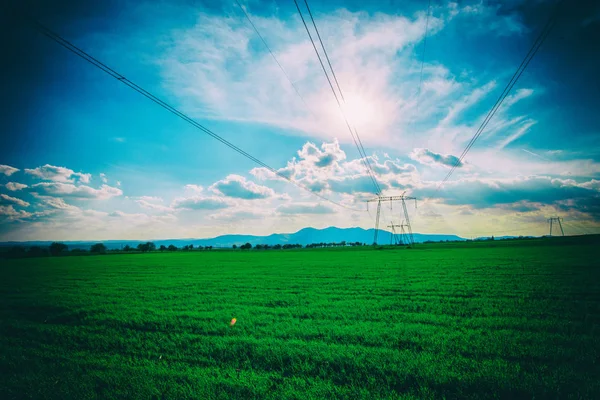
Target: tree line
{"type": "Point", "coordinates": [57, 249]}
{"type": "Point", "coordinates": [286, 246]}
{"type": "Point", "coordinates": [60, 249]}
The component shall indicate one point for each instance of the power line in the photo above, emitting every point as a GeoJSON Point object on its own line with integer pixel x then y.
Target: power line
{"type": "Point", "coordinates": [422, 64]}
{"type": "Point", "coordinates": [69, 46]}
{"type": "Point", "coordinates": [532, 52]}
{"type": "Point", "coordinates": [324, 51]}
{"type": "Point", "coordinates": [357, 139]}
{"type": "Point", "coordinates": [274, 58]}
{"type": "Point", "coordinates": [364, 153]}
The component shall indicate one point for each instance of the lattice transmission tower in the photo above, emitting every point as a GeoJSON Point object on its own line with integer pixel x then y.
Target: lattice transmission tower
{"type": "Point", "coordinates": [391, 199]}
{"type": "Point", "coordinates": [557, 219]}
{"type": "Point", "coordinates": [399, 238]}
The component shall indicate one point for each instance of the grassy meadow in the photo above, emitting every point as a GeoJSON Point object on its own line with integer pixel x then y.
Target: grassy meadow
{"type": "Point", "coordinates": [510, 320]}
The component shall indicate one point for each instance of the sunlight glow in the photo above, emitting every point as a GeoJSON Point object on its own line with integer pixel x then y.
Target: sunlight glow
{"type": "Point", "coordinates": [359, 110]}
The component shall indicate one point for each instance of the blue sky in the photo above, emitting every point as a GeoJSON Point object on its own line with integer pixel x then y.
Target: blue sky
{"type": "Point", "coordinates": [85, 157]}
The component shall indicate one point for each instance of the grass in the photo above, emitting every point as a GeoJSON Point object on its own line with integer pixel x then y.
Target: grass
{"type": "Point", "coordinates": [520, 319]}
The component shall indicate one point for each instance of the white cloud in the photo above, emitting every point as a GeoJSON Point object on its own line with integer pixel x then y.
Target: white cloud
{"type": "Point", "coordinates": [467, 101]}
{"type": "Point", "coordinates": [354, 184]}
{"type": "Point", "coordinates": [150, 199]}
{"type": "Point", "coordinates": [490, 193]}
{"type": "Point", "coordinates": [329, 155]}
{"type": "Point", "coordinates": [594, 184]}
{"type": "Point", "coordinates": [103, 177]}
{"type": "Point", "coordinates": [8, 170]}
{"type": "Point", "coordinates": [238, 214]}
{"type": "Point", "coordinates": [340, 176]}
{"type": "Point", "coordinates": [305, 208]}
{"type": "Point", "coordinates": [57, 202]}
{"type": "Point", "coordinates": [522, 130]}
{"type": "Point", "coordinates": [194, 188]}
{"type": "Point", "coordinates": [200, 203]}
{"type": "Point", "coordinates": [4, 199]}
{"type": "Point", "coordinates": [238, 187]}
{"type": "Point", "coordinates": [83, 178]}
{"type": "Point", "coordinates": [58, 174]}
{"type": "Point", "coordinates": [487, 17]}
{"type": "Point", "coordinates": [153, 206]}
{"type": "Point", "coordinates": [11, 214]}
{"type": "Point", "coordinates": [214, 68]}
{"type": "Point", "coordinates": [14, 186]}
{"type": "Point", "coordinates": [59, 189]}
{"type": "Point", "coordinates": [428, 157]}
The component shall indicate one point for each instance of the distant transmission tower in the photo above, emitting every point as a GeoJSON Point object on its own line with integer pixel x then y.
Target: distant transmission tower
{"type": "Point", "coordinates": [402, 198]}
{"type": "Point", "coordinates": [557, 219]}
{"type": "Point", "coordinates": [394, 236]}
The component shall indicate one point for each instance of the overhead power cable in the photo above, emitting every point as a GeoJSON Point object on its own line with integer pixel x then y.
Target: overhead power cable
{"type": "Point", "coordinates": [69, 46]}
{"type": "Point", "coordinates": [360, 145]}
{"type": "Point", "coordinates": [532, 52]}
{"type": "Point", "coordinates": [422, 65]}
{"type": "Point", "coordinates": [354, 134]}
{"type": "Point", "coordinates": [274, 58]}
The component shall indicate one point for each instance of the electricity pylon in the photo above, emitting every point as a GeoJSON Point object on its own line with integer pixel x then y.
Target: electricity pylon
{"type": "Point", "coordinates": [394, 235]}
{"type": "Point", "coordinates": [557, 219]}
{"type": "Point", "coordinates": [391, 199]}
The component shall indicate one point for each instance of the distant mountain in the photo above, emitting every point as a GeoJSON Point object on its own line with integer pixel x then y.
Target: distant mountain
{"type": "Point", "coordinates": [503, 237]}
{"type": "Point", "coordinates": [304, 236]}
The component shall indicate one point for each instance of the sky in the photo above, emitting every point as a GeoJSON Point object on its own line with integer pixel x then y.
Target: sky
{"type": "Point", "coordinates": [84, 157]}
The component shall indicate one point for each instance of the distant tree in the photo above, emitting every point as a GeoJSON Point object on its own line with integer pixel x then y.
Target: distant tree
{"type": "Point", "coordinates": [234, 246]}
{"type": "Point", "coordinates": [200, 248]}
{"type": "Point", "coordinates": [246, 246]}
{"type": "Point", "coordinates": [148, 246]}
{"type": "Point", "coordinates": [172, 248]}
{"type": "Point", "coordinates": [56, 248]}
{"type": "Point", "coordinates": [16, 252]}
{"type": "Point", "coordinates": [209, 247]}
{"type": "Point", "coordinates": [191, 247]}
{"type": "Point", "coordinates": [37, 251]}
{"type": "Point", "coordinates": [127, 248]}
{"type": "Point", "coordinates": [98, 248]}
{"type": "Point", "coordinates": [185, 248]}
{"type": "Point", "coordinates": [277, 247]}
{"type": "Point", "coordinates": [162, 247]}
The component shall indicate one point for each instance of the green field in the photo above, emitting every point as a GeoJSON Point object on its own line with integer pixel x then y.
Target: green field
{"type": "Point", "coordinates": [484, 320]}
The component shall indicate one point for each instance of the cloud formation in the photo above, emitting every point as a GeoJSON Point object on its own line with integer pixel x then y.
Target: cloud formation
{"type": "Point", "coordinates": [8, 170]}
{"type": "Point", "coordinates": [5, 199]}
{"type": "Point", "coordinates": [59, 189]}
{"type": "Point", "coordinates": [531, 190]}
{"type": "Point", "coordinates": [428, 157]}
{"type": "Point", "coordinates": [305, 208]}
{"type": "Point", "coordinates": [217, 57]}
{"type": "Point", "coordinates": [237, 186]}
{"type": "Point", "coordinates": [14, 186]}
{"type": "Point", "coordinates": [200, 203]}
{"type": "Point", "coordinates": [58, 174]}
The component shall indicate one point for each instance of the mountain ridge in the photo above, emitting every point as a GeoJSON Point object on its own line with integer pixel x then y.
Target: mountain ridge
{"type": "Point", "coordinates": [304, 236]}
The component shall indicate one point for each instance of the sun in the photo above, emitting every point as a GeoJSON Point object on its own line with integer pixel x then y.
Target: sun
{"type": "Point", "coordinates": [359, 110]}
